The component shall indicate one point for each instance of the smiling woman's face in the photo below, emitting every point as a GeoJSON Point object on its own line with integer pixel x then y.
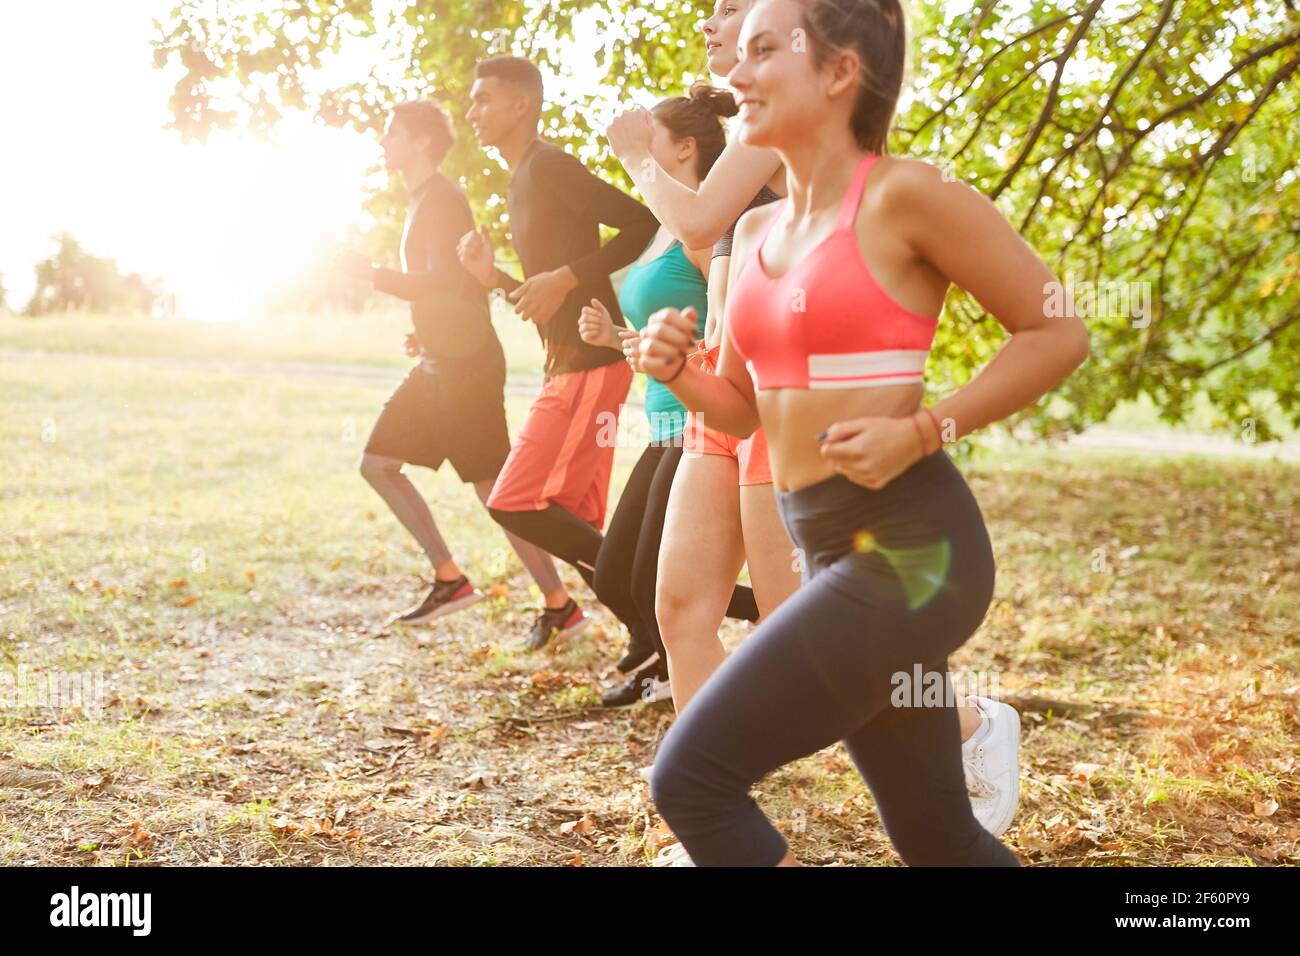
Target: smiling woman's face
{"type": "Point", "coordinates": [722, 33]}
{"type": "Point", "coordinates": [778, 87]}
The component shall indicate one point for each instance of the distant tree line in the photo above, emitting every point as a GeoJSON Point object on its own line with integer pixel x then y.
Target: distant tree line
{"type": "Point", "coordinates": [74, 280]}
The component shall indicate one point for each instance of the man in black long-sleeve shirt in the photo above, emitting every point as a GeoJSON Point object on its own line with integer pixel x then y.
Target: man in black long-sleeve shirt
{"type": "Point", "coordinates": [553, 488]}
{"type": "Point", "coordinates": [450, 407]}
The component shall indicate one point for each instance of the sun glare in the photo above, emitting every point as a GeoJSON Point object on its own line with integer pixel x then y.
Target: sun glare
{"type": "Point", "coordinates": [248, 218]}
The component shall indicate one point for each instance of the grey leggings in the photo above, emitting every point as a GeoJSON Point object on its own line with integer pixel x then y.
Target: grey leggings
{"type": "Point", "coordinates": [895, 580]}
{"type": "Point", "coordinates": [404, 499]}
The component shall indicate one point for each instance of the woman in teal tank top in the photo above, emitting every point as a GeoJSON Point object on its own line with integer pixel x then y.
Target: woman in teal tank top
{"type": "Point", "coordinates": [688, 139]}
{"type": "Point", "coordinates": [657, 281]}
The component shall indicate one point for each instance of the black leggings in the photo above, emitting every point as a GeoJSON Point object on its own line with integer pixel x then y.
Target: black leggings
{"type": "Point", "coordinates": [572, 540]}
{"type": "Point", "coordinates": [895, 580]}
{"type": "Point", "coordinates": [627, 568]}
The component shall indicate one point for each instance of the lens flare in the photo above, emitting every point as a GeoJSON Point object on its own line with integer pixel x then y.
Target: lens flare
{"type": "Point", "coordinates": [249, 217]}
{"type": "Point", "coordinates": [922, 571]}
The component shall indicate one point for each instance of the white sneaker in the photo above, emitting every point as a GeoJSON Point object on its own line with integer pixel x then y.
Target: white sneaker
{"type": "Point", "coordinates": [992, 766]}
{"type": "Point", "coordinates": [672, 855]}
{"type": "Point", "coordinates": [655, 690]}
{"type": "Point", "coordinates": [645, 773]}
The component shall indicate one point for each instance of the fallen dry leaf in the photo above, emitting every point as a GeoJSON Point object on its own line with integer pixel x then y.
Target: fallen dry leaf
{"type": "Point", "coordinates": [138, 836]}
{"type": "Point", "coordinates": [1265, 808]}
{"type": "Point", "coordinates": [582, 826]}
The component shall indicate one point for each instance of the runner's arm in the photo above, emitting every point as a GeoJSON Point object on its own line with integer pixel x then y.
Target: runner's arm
{"type": "Point", "coordinates": [439, 272]}
{"type": "Point", "coordinates": [724, 400]}
{"type": "Point", "coordinates": [700, 217]}
{"type": "Point", "coordinates": [964, 236]}
{"type": "Point", "coordinates": [586, 194]}
{"type": "Point", "coordinates": [505, 280]}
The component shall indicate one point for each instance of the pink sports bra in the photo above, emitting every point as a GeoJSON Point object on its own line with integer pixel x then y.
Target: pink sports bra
{"type": "Point", "coordinates": [826, 323]}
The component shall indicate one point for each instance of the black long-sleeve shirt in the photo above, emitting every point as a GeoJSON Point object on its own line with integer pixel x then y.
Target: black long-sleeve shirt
{"type": "Point", "coordinates": [449, 308]}
{"type": "Point", "coordinates": [556, 208]}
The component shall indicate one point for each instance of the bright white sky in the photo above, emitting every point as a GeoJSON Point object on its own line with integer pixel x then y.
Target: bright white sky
{"type": "Point", "coordinates": [85, 151]}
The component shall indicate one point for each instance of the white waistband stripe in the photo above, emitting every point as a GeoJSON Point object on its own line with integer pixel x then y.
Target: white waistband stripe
{"type": "Point", "coordinates": [857, 369]}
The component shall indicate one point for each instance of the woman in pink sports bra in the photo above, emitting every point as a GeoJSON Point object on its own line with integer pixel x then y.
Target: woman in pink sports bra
{"type": "Point", "coordinates": [832, 310]}
{"type": "Point", "coordinates": [711, 528]}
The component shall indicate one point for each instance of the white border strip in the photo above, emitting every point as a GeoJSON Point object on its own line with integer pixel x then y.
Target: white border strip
{"type": "Point", "coordinates": [865, 369]}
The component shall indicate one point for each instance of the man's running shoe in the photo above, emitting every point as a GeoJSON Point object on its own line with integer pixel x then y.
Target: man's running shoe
{"type": "Point", "coordinates": [446, 597]}
{"type": "Point", "coordinates": [649, 684]}
{"type": "Point", "coordinates": [555, 623]}
{"type": "Point", "coordinates": [992, 765]}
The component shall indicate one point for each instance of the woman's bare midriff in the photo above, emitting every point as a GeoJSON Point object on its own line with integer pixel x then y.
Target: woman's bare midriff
{"type": "Point", "coordinates": [794, 417]}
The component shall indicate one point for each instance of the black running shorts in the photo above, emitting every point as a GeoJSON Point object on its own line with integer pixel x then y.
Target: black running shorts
{"type": "Point", "coordinates": [449, 410]}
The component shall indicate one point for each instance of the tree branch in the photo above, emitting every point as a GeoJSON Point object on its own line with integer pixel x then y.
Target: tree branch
{"type": "Point", "coordinates": [1052, 94]}
{"type": "Point", "coordinates": [1268, 336]}
{"type": "Point", "coordinates": [943, 108]}
{"type": "Point", "coordinates": [1112, 98]}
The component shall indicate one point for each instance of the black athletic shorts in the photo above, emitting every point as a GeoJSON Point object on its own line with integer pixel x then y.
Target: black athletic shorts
{"type": "Point", "coordinates": [449, 410]}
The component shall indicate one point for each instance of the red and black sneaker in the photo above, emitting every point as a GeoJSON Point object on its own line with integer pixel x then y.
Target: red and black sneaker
{"type": "Point", "coordinates": [555, 623]}
{"type": "Point", "coordinates": [445, 598]}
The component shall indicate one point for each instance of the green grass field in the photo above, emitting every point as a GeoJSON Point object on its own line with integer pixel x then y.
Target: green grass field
{"type": "Point", "coordinates": [183, 522]}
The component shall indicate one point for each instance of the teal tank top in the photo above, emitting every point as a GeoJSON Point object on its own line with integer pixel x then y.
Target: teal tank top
{"type": "Point", "coordinates": [668, 281]}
